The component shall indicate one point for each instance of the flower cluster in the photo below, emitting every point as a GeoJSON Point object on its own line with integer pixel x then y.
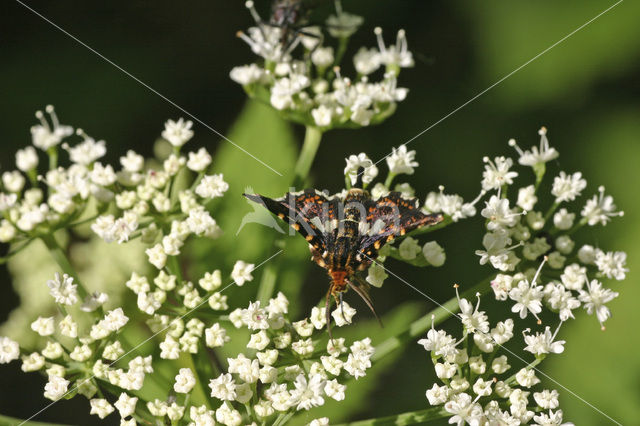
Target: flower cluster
{"type": "Point", "coordinates": [481, 387]}
{"type": "Point", "coordinates": [302, 78]}
{"type": "Point", "coordinates": [288, 370]}
{"type": "Point", "coordinates": [522, 234]}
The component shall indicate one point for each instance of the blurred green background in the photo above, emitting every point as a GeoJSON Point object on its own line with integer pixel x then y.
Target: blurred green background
{"type": "Point", "coordinates": [586, 91]}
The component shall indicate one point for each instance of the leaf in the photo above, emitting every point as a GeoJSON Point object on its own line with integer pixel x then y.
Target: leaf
{"type": "Point", "coordinates": [410, 418]}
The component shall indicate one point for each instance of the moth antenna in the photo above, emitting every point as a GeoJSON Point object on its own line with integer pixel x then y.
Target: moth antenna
{"type": "Point", "coordinates": [363, 293]}
{"type": "Point", "coordinates": [328, 313]}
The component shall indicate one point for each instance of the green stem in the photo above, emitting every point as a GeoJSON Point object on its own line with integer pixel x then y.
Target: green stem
{"type": "Point", "coordinates": [6, 420]}
{"type": "Point", "coordinates": [63, 262]}
{"type": "Point", "coordinates": [199, 392]}
{"type": "Point", "coordinates": [410, 418]}
{"type": "Point", "coordinates": [421, 325]}
{"type": "Point", "coordinates": [389, 179]}
{"type": "Point", "coordinates": [312, 138]}
{"type": "Point", "coordinates": [268, 283]}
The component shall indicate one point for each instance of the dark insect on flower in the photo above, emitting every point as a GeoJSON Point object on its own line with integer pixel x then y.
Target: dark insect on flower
{"type": "Point", "coordinates": [345, 236]}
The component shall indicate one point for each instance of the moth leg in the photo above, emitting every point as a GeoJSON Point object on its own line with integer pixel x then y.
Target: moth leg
{"type": "Point", "coordinates": [328, 312]}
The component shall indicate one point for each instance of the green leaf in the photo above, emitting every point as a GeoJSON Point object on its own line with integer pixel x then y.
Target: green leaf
{"type": "Point", "coordinates": [410, 418]}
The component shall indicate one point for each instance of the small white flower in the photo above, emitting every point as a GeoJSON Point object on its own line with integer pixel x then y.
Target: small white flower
{"type": "Point", "coordinates": [366, 60]}
{"type": "Point", "coordinates": [56, 388]}
{"type": "Point", "coordinates": [199, 161]}
{"type": "Point", "coordinates": [568, 187]}
{"type": "Point", "coordinates": [401, 161]}
{"type": "Point", "coordinates": [259, 340]}
{"type": "Point", "coordinates": [33, 362]}
{"type": "Point", "coordinates": [343, 314]}
{"type": "Point", "coordinates": [438, 394]}
{"type": "Point", "coordinates": [43, 326]}
{"type": "Point", "coordinates": [242, 272]}
{"type": "Point", "coordinates": [543, 343]}
{"type": "Point", "coordinates": [528, 297]}
{"type": "Point", "coordinates": [503, 331]}
{"type": "Point", "coordinates": [27, 159]}
{"type": "Point", "coordinates": [185, 381]}
{"type": "Point", "coordinates": [587, 254]}
{"type": "Point", "coordinates": [9, 350]}
{"type": "Point", "coordinates": [594, 299]}
{"type": "Point", "coordinates": [100, 407]}
{"type": "Point", "coordinates": [499, 365]}
{"type": "Point", "coordinates": [308, 393]}
{"type": "Point", "coordinates": [126, 405]}
{"type": "Point", "coordinates": [355, 162]}
{"type": "Point", "coordinates": [600, 209]}
{"type": "Point", "coordinates": [409, 248]}
{"type": "Point", "coordinates": [157, 256]}
{"type": "Point", "coordinates": [537, 155]}
{"type": "Point", "coordinates": [13, 181]}
{"type": "Point", "coordinates": [397, 55]}
{"type": "Point", "coordinates": [499, 214]}
{"type": "Point", "coordinates": [255, 317]}
{"type": "Point", "coordinates": [87, 151]}
{"type": "Point", "coordinates": [439, 342]}
{"type": "Point", "coordinates": [322, 115]}
{"type": "Point", "coordinates": [573, 277]}
{"type": "Point", "coordinates": [464, 410]}
{"type": "Point", "coordinates": [223, 387]}
{"type": "Point", "coordinates": [322, 57]}
{"type": "Point", "coordinates": [547, 399]}
{"type": "Point", "coordinates": [563, 220]}
{"type": "Point", "coordinates": [335, 390]}
{"type": "Point", "coordinates": [212, 186]}
{"type": "Point", "coordinates": [612, 264]}
{"type": "Point", "coordinates": [246, 74]}
{"type": "Point", "coordinates": [132, 162]}
{"type": "Point", "coordinates": [497, 173]}
{"type": "Point", "coordinates": [527, 377]}
{"type": "Point", "coordinates": [527, 197]}
{"type": "Point", "coordinates": [63, 290]}
{"type": "Point", "coordinates": [177, 133]}
{"type": "Point", "coordinates": [45, 137]}
{"type": "Point", "coordinates": [322, 421]}
{"type": "Point", "coordinates": [376, 274]}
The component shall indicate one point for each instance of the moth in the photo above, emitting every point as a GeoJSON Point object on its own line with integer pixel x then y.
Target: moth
{"type": "Point", "coordinates": [346, 234]}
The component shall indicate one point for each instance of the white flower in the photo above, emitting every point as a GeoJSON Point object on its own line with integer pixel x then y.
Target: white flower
{"type": "Point", "coordinates": [594, 299]}
{"type": "Point", "coordinates": [366, 60]}
{"type": "Point", "coordinates": [568, 187]}
{"type": "Point", "coordinates": [87, 151]}
{"type": "Point", "coordinates": [157, 256]}
{"type": "Point", "coordinates": [68, 327]}
{"type": "Point", "coordinates": [438, 394]}
{"type": "Point", "coordinates": [126, 405]}
{"type": "Point", "coordinates": [409, 248]}
{"type": "Point", "coordinates": [499, 214]}
{"type": "Point", "coordinates": [246, 74]}
{"type": "Point", "coordinates": [259, 340]}
{"type": "Point", "coordinates": [285, 88]}
{"type": "Point", "coordinates": [573, 277]}
{"type": "Point", "coordinates": [563, 220]}
{"type": "Point", "coordinates": [255, 317]}
{"type": "Point", "coordinates": [212, 186]}
{"type": "Point", "coordinates": [199, 161]}
{"type": "Point", "coordinates": [376, 275]}
{"type": "Point", "coordinates": [102, 175]}
{"type": "Point", "coordinates": [503, 331]}
{"type": "Point", "coordinates": [561, 300]}
{"type": "Point", "coordinates": [397, 55]}
{"type": "Point", "coordinates": [464, 410]}
{"type": "Point", "coordinates": [335, 390]}
{"type": "Point", "coordinates": [45, 137]}
{"type": "Point", "coordinates": [63, 290]}
{"type": "Point", "coordinates": [223, 387]}
{"type": "Point", "coordinates": [600, 209]}
{"type": "Point", "coordinates": [472, 319]}
{"type": "Point", "coordinates": [322, 57]}
{"type": "Point", "coordinates": [439, 342]}
{"type": "Point", "coordinates": [527, 197]}
{"type": "Point", "coordinates": [177, 133]}
{"type": "Point", "coordinates": [132, 162]}
{"type": "Point", "coordinates": [55, 388]}
{"type": "Point", "coordinates": [13, 181]}
{"type": "Point", "coordinates": [100, 407]}
{"type": "Point", "coordinates": [527, 377]}
{"type": "Point", "coordinates": [536, 155]}
{"type": "Point", "coordinates": [401, 161]}
{"type": "Point", "coordinates": [169, 348]}
{"type": "Point", "coordinates": [322, 115]}
{"type": "Point", "coordinates": [554, 418]}
{"type": "Point", "coordinates": [322, 421]}
{"type": "Point", "coordinates": [9, 350]}
{"type": "Point", "coordinates": [528, 297]}
{"type": "Point", "coordinates": [434, 253]}
{"type": "Point", "coordinates": [242, 272]}
{"type": "Point", "coordinates": [43, 326]}
{"type": "Point", "coordinates": [499, 365]}
{"type": "Point", "coordinates": [308, 394]}
{"type": "Point", "coordinates": [612, 264]}
{"type": "Point", "coordinates": [543, 343]}
{"type": "Point", "coordinates": [185, 381]}
{"type": "Point", "coordinates": [355, 162]}
{"type": "Point", "coordinates": [587, 254]}
{"type": "Point", "coordinates": [27, 159]}
{"type": "Point", "coordinates": [343, 314]}
{"type": "Point", "coordinates": [547, 399]}
{"type": "Point", "coordinates": [497, 173]}
{"type": "Point", "coordinates": [33, 362]}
